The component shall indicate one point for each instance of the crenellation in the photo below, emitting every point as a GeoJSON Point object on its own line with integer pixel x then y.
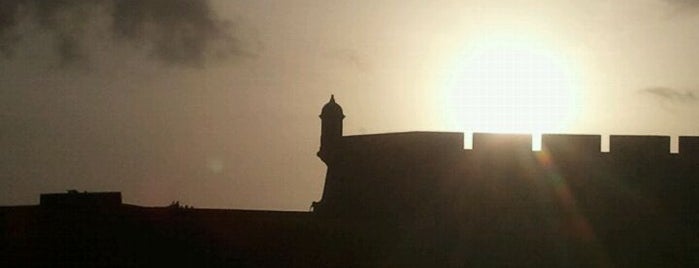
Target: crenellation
{"type": "Point", "coordinates": [482, 142]}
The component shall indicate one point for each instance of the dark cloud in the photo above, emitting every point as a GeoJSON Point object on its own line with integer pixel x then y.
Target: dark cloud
{"type": "Point", "coordinates": [671, 95]}
{"type": "Point", "coordinates": [177, 32]}
{"type": "Point", "coordinates": [67, 20]}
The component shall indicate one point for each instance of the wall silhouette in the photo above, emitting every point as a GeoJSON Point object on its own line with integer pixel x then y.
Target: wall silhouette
{"type": "Point", "coordinates": [569, 199]}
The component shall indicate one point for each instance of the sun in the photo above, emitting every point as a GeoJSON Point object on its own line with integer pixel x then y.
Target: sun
{"type": "Point", "coordinates": [511, 85]}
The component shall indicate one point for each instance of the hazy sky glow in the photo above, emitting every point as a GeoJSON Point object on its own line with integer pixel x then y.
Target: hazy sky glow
{"type": "Point", "coordinates": [216, 103]}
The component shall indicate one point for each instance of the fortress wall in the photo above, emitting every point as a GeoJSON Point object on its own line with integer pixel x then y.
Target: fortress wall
{"type": "Point", "coordinates": [504, 165]}
{"type": "Point", "coordinates": [576, 157]}
{"type": "Point", "coordinates": [639, 145]}
{"type": "Point", "coordinates": [401, 171]}
{"type": "Point", "coordinates": [571, 144]}
{"type": "Point", "coordinates": [686, 177]}
{"type": "Point", "coordinates": [482, 142]}
{"type": "Point", "coordinates": [687, 169]}
{"type": "Point", "coordinates": [640, 163]}
{"type": "Point", "coordinates": [500, 155]}
{"type": "Point", "coordinates": [390, 173]}
{"type": "Point", "coordinates": [409, 146]}
{"type": "Point", "coordinates": [689, 145]}
{"type": "Point", "coordinates": [495, 142]}
{"type": "Point", "coordinates": [585, 143]}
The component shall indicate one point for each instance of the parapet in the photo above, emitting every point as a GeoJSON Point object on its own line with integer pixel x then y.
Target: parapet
{"type": "Point", "coordinates": [574, 144]}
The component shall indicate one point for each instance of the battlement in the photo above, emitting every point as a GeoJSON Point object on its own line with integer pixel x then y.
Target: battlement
{"type": "Point", "coordinates": [578, 144]}
{"type": "Point", "coordinates": [585, 143]}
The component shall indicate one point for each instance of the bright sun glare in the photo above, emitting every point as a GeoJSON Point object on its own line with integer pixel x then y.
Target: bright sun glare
{"type": "Point", "coordinates": [511, 85]}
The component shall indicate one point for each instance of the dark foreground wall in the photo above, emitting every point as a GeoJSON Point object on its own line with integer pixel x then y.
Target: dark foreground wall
{"type": "Point", "coordinates": [156, 237]}
{"type": "Point", "coordinates": [488, 236]}
{"type": "Point", "coordinates": [503, 204]}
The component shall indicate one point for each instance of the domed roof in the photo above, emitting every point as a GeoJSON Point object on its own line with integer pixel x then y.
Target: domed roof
{"type": "Point", "coordinates": [331, 108]}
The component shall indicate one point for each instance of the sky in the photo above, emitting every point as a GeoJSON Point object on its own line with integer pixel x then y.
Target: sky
{"type": "Point", "coordinates": [215, 104]}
